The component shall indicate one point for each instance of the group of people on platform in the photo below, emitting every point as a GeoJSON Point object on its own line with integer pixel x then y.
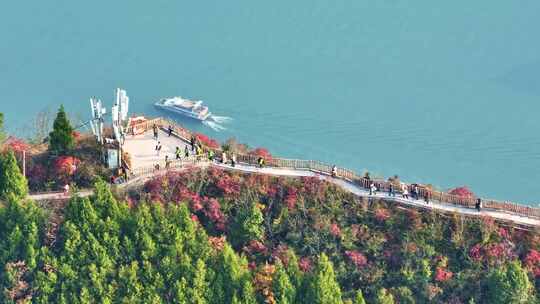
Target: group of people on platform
{"type": "Point", "coordinates": [196, 148]}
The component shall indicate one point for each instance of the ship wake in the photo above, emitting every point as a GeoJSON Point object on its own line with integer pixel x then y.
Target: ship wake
{"type": "Point", "coordinates": [215, 122]}
{"type": "Point", "coordinates": [220, 119]}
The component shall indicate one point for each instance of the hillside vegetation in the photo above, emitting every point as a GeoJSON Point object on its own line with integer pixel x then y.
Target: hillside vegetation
{"type": "Point", "coordinates": [213, 236]}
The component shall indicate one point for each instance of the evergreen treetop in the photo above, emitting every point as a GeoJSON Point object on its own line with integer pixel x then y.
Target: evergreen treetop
{"type": "Point", "coordinates": [510, 284]}
{"type": "Point", "coordinates": [323, 286]}
{"type": "Point", "coordinates": [12, 182]}
{"type": "Point", "coordinates": [284, 290]}
{"type": "Point", "coordinates": [384, 297]}
{"type": "Point", "coordinates": [2, 133]}
{"type": "Point", "coordinates": [359, 298]}
{"type": "Point", "coordinates": [61, 139]}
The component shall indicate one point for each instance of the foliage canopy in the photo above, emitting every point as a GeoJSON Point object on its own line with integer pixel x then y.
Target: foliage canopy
{"type": "Point", "coordinates": [61, 139]}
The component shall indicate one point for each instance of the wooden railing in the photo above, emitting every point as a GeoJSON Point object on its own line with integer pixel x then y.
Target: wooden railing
{"type": "Point", "coordinates": [173, 165]}
{"type": "Point", "coordinates": [350, 175]}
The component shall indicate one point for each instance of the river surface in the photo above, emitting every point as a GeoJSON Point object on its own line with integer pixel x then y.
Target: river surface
{"type": "Point", "coordinates": [446, 93]}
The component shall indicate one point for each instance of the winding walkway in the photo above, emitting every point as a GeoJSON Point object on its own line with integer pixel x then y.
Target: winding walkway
{"type": "Point", "coordinates": [142, 150]}
{"type": "Point", "coordinates": [361, 192]}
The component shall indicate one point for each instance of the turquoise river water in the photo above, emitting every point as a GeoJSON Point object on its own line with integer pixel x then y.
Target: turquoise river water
{"type": "Point", "coordinates": [446, 93]}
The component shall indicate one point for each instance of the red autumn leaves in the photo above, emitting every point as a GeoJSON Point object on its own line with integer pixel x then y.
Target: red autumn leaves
{"type": "Point", "coordinates": [207, 141]}
{"type": "Point", "coordinates": [464, 192]}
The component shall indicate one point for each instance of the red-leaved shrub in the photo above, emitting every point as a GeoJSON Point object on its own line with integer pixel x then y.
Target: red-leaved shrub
{"type": "Point", "coordinates": [229, 185]}
{"type": "Point", "coordinates": [305, 264]}
{"type": "Point", "coordinates": [212, 210]}
{"type": "Point", "coordinates": [462, 192]}
{"type": "Point", "coordinates": [476, 252]}
{"type": "Point", "coordinates": [532, 262]}
{"type": "Point", "coordinates": [16, 144]}
{"type": "Point", "coordinates": [37, 175]}
{"type": "Point", "coordinates": [280, 252]}
{"type": "Point", "coordinates": [442, 275]}
{"type": "Point", "coordinates": [382, 214]}
{"type": "Point", "coordinates": [335, 230]}
{"type": "Point", "coordinates": [254, 247]}
{"type": "Point", "coordinates": [357, 258]}
{"type": "Point", "coordinates": [503, 233]}
{"type": "Point", "coordinates": [290, 198]}
{"type": "Point", "coordinates": [206, 141]}
{"type": "Point", "coordinates": [261, 152]}
{"type": "Point", "coordinates": [65, 167]}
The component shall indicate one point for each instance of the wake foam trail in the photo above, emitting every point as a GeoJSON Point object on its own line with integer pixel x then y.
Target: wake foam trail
{"type": "Point", "coordinates": [214, 126]}
{"type": "Point", "coordinates": [221, 119]}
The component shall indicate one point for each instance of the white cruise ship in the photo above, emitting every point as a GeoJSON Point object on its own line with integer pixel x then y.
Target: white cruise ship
{"type": "Point", "coordinates": [186, 107]}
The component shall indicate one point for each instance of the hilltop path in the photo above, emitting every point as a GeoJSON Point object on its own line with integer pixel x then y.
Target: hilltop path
{"type": "Point", "coordinates": [144, 157]}
{"type": "Point", "coordinates": [141, 148]}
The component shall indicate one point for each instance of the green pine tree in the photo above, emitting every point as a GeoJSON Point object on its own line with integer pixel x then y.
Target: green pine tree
{"type": "Point", "coordinates": [12, 182]}
{"type": "Point", "coordinates": [248, 293]}
{"type": "Point", "coordinates": [323, 286]}
{"type": "Point", "coordinates": [61, 139]}
{"type": "Point", "coordinates": [248, 225]}
{"type": "Point", "coordinates": [199, 287]}
{"type": "Point", "coordinates": [253, 223]}
{"type": "Point", "coordinates": [180, 292]}
{"type": "Point", "coordinates": [230, 274]}
{"type": "Point", "coordinates": [359, 297]}
{"type": "Point", "coordinates": [296, 276]}
{"type": "Point", "coordinates": [510, 284]}
{"type": "Point", "coordinates": [2, 133]}
{"type": "Point", "coordinates": [130, 288]}
{"type": "Point", "coordinates": [284, 290]}
{"type": "Point", "coordinates": [384, 297]}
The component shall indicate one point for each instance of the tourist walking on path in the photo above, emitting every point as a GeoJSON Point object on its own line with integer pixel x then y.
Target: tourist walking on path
{"type": "Point", "coordinates": [177, 153]}
{"type": "Point", "coordinates": [170, 129]}
{"type": "Point", "coordinates": [158, 148]}
{"type": "Point", "coordinates": [192, 143]}
{"type": "Point", "coordinates": [224, 157]}
{"type": "Point", "coordinates": [233, 160]}
{"type": "Point", "coordinates": [334, 171]}
{"type": "Point", "coordinates": [211, 155]}
{"type": "Point", "coordinates": [186, 152]}
{"type": "Point", "coordinates": [391, 190]}
{"type": "Point", "coordinates": [478, 204]}
{"type": "Point", "coordinates": [199, 151]}
{"type": "Point", "coordinates": [415, 191]}
{"type": "Point", "coordinates": [405, 191]}
{"type": "Point", "coordinates": [155, 128]}
{"type": "Point", "coordinates": [167, 162]}
{"type": "Point", "coordinates": [66, 190]}
{"type": "Point", "coordinates": [427, 195]}
{"type": "Point", "coordinates": [260, 161]}
{"type": "Point", "coordinates": [367, 180]}
{"type": "Point", "coordinates": [372, 189]}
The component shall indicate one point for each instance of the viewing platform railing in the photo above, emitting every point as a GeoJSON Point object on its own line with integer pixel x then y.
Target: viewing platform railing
{"type": "Point", "coordinates": [346, 174]}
